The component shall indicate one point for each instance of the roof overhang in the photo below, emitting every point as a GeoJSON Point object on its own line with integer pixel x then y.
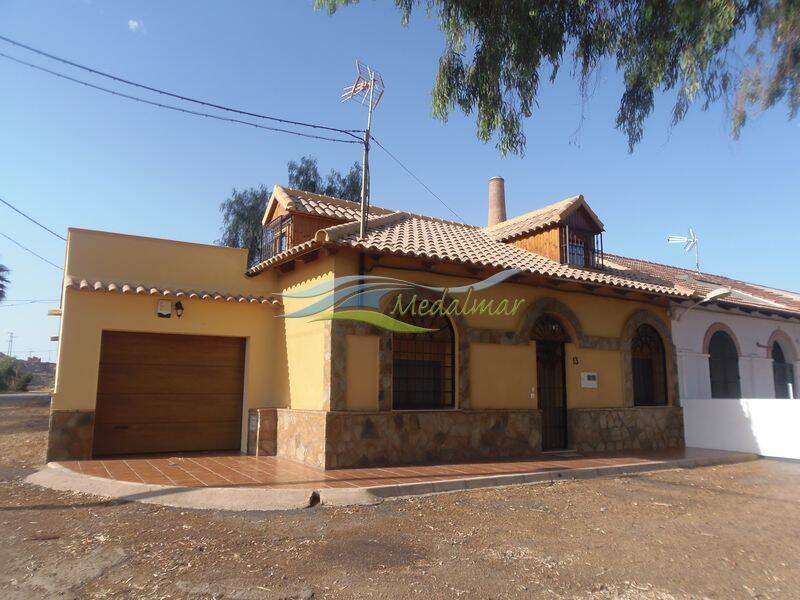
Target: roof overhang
{"type": "Point", "coordinates": [278, 197]}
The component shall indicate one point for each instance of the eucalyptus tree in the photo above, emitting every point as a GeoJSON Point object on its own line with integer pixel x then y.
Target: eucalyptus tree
{"type": "Point", "coordinates": [496, 53]}
{"type": "Point", "coordinates": [4, 281]}
{"type": "Point", "coordinates": [243, 210]}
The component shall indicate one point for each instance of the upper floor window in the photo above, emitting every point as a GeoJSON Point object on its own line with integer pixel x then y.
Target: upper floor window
{"type": "Point", "coordinates": [723, 363]}
{"type": "Point", "coordinates": [423, 375]}
{"type": "Point", "coordinates": [783, 373]}
{"type": "Point", "coordinates": [581, 248]}
{"type": "Point", "coordinates": [649, 367]}
{"type": "Point", "coordinates": [276, 236]}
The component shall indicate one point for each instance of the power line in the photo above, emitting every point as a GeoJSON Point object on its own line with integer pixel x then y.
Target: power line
{"type": "Point", "coordinates": [176, 108]}
{"type": "Point", "coordinates": [32, 220]}
{"type": "Point", "coordinates": [118, 79]}
{"type": "Point", "coordinates": [13, 303]}
{"type": "Point", "coordinates": [418, 180]}
{"type": "Point", "coordinates": [350, 132]}
{"type": "Point", "coordinates": [13, 241]}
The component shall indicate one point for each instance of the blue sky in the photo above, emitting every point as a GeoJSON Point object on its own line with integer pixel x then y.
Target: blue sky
{"type": "Point", "coordinates": [71, 156]}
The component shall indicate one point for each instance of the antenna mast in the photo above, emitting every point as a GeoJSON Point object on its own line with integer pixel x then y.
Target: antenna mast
{"type": "Point", "coordinates": [368, 88]}
{"type": "Point", "coordinates": [690, 242]}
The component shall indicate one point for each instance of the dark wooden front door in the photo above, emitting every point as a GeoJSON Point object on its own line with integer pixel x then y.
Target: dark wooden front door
{"type": "Point", "coordinates": [551, 389]}
{"type": "Point", "coordinates": [168, 393]}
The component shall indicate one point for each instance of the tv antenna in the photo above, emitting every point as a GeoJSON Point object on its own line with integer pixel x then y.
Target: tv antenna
{"type": "Point", "coordinates": [690, 242]}
{"type": "Point", "coordinates": [367, 89]}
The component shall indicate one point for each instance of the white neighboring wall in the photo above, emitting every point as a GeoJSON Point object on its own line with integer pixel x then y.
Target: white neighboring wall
{"type": "Point", "coordinates": [765, 426]}
{"type": "Point", "coordinates": [758, 422]}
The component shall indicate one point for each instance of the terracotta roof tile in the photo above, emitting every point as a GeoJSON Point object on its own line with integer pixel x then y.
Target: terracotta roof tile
{"type": "Point", "coordinates": [147, 290]}
{"type": "Point", "coordinates": [323, 206]}
{"type": "Point", "coordinates": [425, 237]}
{"type": "Point", "coordinates": [437, 239]}
{"type": "Point", "coordinates": [743, 294]}
{"type": "Point", "coordinates": [281, 256]}
{"type": "Point", "coordinates": [541, 218]}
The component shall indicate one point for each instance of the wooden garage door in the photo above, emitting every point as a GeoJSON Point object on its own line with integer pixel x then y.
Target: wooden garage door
{"type": "Point", "coordinates": [168, 393]}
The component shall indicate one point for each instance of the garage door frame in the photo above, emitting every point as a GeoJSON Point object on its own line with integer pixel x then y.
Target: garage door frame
{"type": "Point", "coordinates": [169, 392]}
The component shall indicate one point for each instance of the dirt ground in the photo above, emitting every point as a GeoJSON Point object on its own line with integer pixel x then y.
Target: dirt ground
{"type": "Point", "coordinates": [720, 532]}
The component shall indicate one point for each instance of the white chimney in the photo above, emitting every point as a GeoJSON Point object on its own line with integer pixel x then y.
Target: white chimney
{"type": "Point", "coordinates": [497, 201]}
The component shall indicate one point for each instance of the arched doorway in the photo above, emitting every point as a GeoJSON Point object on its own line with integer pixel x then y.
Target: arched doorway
{"type": "Point", "coordinates": [550, 337]}
{"type": "Point", "coordinates": [783, 373]}
{"type": "Point", "coordinates": [723, 363]}
{"type": "Point", "coordinates": [649, 367]}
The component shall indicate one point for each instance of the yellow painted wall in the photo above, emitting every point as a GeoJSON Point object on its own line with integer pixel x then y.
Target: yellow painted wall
{"type": "Point", "coordinates": [599, 316]}
{"type": "Point", "coordinates": [502, 376]}
{"type": "Point", "coordinates": [107, 257]}
{"type": "Point", "coordinates": [362, 372]}
{"type": "Point", "coordinates": [300, 361]}
{"type": "Point", "coordinates": [114, 257]}
{"type": "Point", "coordinates": [287, 358]}
{"type": "Point", "coordinates": [608, 366]}
{"type": "Point", "coordinates": [87, 314]}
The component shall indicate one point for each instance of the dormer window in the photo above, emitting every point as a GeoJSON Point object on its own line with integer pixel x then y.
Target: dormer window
{"type": "Point", "coordinates": [293, 217]}
{"type": "Point", "coordinates": [276, 236]}
{"type": "Point", "coordinates": [567, 232]}
{"type": "Point", "coordinates": [581, 248]}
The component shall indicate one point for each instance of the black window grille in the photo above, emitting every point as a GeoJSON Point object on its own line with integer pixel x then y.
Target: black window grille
{"type": "Point", "coordinates": [549, 329]}
{"type": "Point", "coordinates": [649, 368]}
{"type": "Point", "coordinates": [276, 236]}
{"type": "Point", "coordinates": [424, 366]}
{"type": "Point", "coordinates": [783, 373]}
{"type": "Point", "coordinates": [581, 248]}
{"type": "Point", "coordinates": [723, 363]}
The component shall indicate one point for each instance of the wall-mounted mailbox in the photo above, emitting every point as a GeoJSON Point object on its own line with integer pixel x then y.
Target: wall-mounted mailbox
{"type": "Point", "coordinates": [164, 309]}
{"type": "Point", "coordinates": [589, 380]}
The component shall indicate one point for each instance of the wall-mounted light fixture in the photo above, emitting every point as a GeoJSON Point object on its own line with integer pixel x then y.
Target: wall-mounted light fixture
{"type": "Point", "coordinates": [179, 309]}
{"type": "Point", "coordinates": [720, 292]}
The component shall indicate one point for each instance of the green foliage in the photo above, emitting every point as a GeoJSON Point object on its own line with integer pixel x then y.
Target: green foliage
{"type": "Point", "coordinates": [4, 281]}
{"type": "Point", "coordinates": [241, 219]}
{"type": "Point", "coordinates": [497, 51]}
{"type": "Point", "coordinates": [12, 377]}
{"type": "Point", "coordinates": [304, 175]}
{"type": "Point", "coordinates": [243, 210]}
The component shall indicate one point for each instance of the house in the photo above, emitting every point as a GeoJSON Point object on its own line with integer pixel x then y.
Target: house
{"type": "Point", "coordinates": [171, 346]}
{"type": "Point", "coordinates": [738, 361]}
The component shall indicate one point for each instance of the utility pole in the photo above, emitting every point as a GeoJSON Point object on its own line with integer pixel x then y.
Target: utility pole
{"type": "Point", "coordinates": [368, 87]}
{"type": "Point", "coordinates": [365, 164]}
{"type": "Point", "coordinates": [10, 342]}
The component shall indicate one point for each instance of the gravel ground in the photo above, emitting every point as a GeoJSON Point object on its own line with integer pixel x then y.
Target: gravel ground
{"type": "Point", "coordinates": [719, 532]}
